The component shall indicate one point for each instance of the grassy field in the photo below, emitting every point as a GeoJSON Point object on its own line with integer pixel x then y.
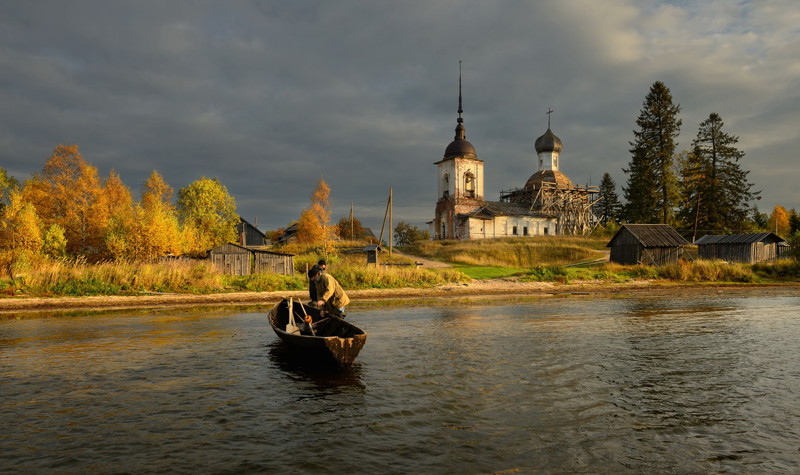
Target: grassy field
{"type": "Point", "coordinates": [555, 259]}
{"type": "Point", "coordinates": [39, 276]}
{"type": "Point", "coordinates": [513, 252]}
{"type": "Point", "coordinates": [572, 258]}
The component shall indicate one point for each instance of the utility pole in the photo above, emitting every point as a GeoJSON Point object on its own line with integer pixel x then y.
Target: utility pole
{"type": "Point", "coordinates": [388, 213]}
{"type": "Point", "coordinates": [352, 234]}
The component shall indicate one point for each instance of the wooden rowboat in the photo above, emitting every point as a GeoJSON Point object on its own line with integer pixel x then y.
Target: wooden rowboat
{"type": "Point", "coordinates": [327, 340]}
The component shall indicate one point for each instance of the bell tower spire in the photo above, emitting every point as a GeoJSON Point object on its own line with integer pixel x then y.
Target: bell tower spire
{"type": "Point", "coordinates": [460, 129]}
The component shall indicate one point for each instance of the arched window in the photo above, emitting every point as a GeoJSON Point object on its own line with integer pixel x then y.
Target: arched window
{"type": "Point", "coordinates": [446, 185]}
{"type": "Point", "coordinates": [469, 185]}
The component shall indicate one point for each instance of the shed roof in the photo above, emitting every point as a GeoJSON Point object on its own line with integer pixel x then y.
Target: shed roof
{"type": "Point", "coordinates": [265, 251]}
{"type": "Point", "coordinates": [769, 238]}
{"type": "Point", "coordinates": [652, 235]}
{"type": "Point", "coordinates": [247, 223]}
{"type": "Point", "coordinates": [230, 247]}
{"type": "Point", "coordinates": [233, 247]}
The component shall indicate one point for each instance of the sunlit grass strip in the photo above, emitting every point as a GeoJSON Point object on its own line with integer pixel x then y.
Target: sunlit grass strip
{"type": "Point", "coordinates": [78, 278]}
{"type": "Point", "coordinates": [513, 252]}
{"type": "Point", "coordinates": [483, 273]}
{"type": "Point", "coordinates": [383, 277]}
{"type": "Point", "coordinates": [65, 277]}
{"type": "Point", "coordinates": [780, 269]}
{"type": "Point", "coordinates": [684, 271]}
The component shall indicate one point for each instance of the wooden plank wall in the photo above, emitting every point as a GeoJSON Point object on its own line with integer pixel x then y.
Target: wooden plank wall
{"type": "Point", "coordinates": [626, 254]}
{"type": "Point", "coordinates": [747, 253]}
{"type": "Point", "coordinates": [232, 263]}
{"type": "Point", "coordinates": [274, 263]}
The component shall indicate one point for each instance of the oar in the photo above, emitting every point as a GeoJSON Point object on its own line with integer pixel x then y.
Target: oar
{"type": "Point", "coordinates": [308, 320]}
{"type": "Point", "coordinates": [290, 326]}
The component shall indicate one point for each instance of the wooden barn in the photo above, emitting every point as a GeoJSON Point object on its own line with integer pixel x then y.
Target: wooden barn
{"type": "Point", "coordinates": [238, 260]}
{"type": "Point", "coordinates": [273, 262]}
{"type": "Point", "coordinates": [249, 235]}
{"type": "Point", "coordinates": [289, 235]}
{"type": "Point", "coordinates": [232, 259]}
{"type": "Point", "coordinates": [647, 244]}
{"type": "Point", "coordinates": [746, 248]}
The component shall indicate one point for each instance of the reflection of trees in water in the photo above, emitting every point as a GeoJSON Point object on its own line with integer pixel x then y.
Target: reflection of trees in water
{"type": "Point", "coordinates": [680, 365]}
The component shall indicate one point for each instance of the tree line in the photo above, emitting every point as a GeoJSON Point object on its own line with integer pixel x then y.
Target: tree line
{"type": "Point", "coordinates": [67, 210]}
{"type": "Point", "coordinates": [700, 190]}
{"type": "Point", "coordinates": [314, 226]}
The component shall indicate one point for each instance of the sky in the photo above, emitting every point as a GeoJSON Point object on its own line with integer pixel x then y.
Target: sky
{"type": "Point", "coordinates": [271, 96]}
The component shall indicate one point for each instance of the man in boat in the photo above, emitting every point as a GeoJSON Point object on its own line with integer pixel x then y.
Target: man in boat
{"type": "Point", "coordinates": [312, 287]}
{"type": "Point", "coordinates": [331, 297]}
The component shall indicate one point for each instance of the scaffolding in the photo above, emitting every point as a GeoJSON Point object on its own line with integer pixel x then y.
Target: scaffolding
{"type": "Point", "coordinates": [571, 206]}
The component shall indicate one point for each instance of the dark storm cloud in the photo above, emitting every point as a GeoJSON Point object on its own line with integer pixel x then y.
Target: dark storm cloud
{"type": "Point", "coordinates": [270, 96]}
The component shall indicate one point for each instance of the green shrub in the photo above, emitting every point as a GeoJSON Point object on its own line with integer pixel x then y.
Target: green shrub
{"type": "Point", "coordinates": [780, 269]}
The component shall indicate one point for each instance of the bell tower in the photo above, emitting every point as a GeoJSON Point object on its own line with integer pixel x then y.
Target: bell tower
{"type": "Point", "coordinates": [460, 180]}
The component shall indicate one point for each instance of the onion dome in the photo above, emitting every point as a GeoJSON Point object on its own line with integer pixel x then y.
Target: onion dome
{"type": "Point", "coordinates": [460, 147]}
{"type": "Point", "coordinates": [548, 142]}
{"type": "Point", "coordinates": [548, 176]}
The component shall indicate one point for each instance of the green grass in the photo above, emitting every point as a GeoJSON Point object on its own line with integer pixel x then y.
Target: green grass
{"type": "Point", "coordinates": [483, 273]}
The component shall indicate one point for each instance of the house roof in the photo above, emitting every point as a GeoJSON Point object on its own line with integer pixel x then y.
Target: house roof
{"type": "Point", "coordinates": [247, 223]}
{"type": "Point", "coordinates": [241, 249]}
{"type": "Point", "coordinates": [652, 235]}
{"type": "Point", "coordinates": [490, 209]}
{"type": "Point", "coordinates": [750, 238]}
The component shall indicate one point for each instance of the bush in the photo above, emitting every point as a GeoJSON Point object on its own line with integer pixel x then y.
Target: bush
{"type": "Point", "coordinates": [780, 269]}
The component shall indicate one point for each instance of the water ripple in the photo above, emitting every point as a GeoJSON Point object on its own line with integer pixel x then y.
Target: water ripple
{"type": "Point", "coordinates": [695, 384]}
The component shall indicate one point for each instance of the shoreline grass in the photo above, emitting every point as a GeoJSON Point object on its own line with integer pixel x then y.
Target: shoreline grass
{"type": "Point", "coordinates": [568, 259]}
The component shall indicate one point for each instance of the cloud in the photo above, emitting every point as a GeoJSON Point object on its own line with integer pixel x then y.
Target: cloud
{"type": "Point", "coordinates": [269, 96]}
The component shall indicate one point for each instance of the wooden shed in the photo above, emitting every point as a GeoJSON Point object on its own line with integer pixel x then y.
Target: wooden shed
{"type": "Point", "coordinates": [274, 262]}
{"type": "Point", "coordinates": [746, 248]}
{"type": "Point", "coordinates": [232, 259]}
{"type": "Point", "coordinates": [238, 260]}
{"type": "Point", "coordinates": [372, 253]}
{"type": "Point", "coordinates": [647, 244]}
{"type": "Point", "coordinates": [249, 235]}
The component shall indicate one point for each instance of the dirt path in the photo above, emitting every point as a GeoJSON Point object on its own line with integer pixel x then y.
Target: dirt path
{"type": "Point", "coordinates": [426, 263]}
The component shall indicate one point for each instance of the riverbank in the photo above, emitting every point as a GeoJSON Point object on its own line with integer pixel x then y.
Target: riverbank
{"type": "Point", "coordinates": [475, 288]}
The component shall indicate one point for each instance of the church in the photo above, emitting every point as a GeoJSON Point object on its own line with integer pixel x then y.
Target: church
{"type": "Point", "coordinates": [548, 204]}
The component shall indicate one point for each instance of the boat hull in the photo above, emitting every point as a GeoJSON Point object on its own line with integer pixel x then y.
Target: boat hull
{"type": "Point", "coordinates": [335, 340]}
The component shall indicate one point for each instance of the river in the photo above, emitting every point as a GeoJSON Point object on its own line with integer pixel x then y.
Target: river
{"type": "Point", "coordinates": [691, 382]}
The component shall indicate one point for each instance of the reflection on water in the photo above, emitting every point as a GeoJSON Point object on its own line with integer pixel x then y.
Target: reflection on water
{"type": "Point", "coordinates": [679, 384]}
{"type": "Point", "coordinates": [323, 375]}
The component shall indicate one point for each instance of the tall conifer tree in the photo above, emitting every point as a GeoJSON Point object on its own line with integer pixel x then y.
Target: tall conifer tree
{"type": "Point", "coordinates": [652, 189]}
{"type": "Point", "coordinates": [608, 206]}
{"type": "Point", "coordinates": [717, 194]}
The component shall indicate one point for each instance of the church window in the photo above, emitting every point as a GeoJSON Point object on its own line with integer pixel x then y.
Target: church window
{"type": "Point", "coordinates": [469, 185]}
{"type": "Point", "coordinates": [524, 230]}
{"type": "Point", "coordinates": [446, 185]}
{"type": "Point", "coordinates": [514, 230]}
